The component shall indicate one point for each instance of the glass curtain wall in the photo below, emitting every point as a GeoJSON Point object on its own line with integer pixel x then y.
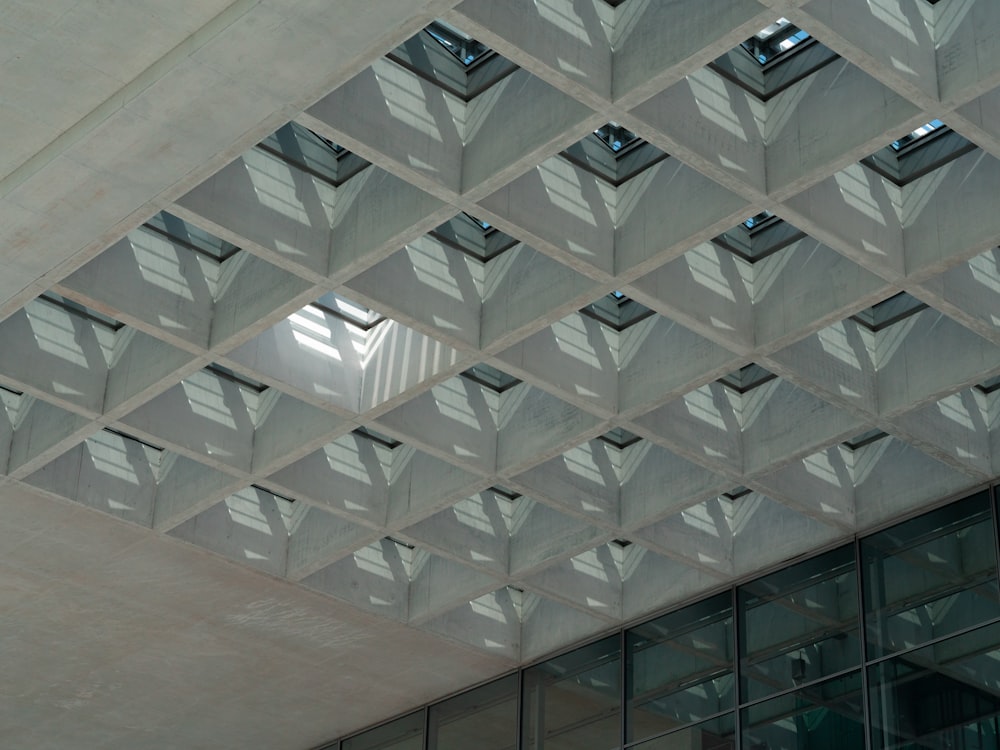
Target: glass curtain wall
{"type": "Point", "coordinates": [890, 642]}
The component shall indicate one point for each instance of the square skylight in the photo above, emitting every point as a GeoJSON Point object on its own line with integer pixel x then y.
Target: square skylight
{"type": "Point", "coordinates": [348, 311]}
{"type": "Point", "coordinates": [747, 378]}
{"type": "Point", "coordinates": [465, 49]}
{"type": "Point", "coordinates": [490, 377]}
{"type": "Point", "coordinates": [617, 311]}
{"type": "Point", "coordinates": [614, 153]}
{"type": "Point", "coordinates": [313, 154]}
{"type": "Point", "coordinates": [473, 237]}
{"type": "Point", "coordinates": [81, 310]}
{"type": "Point", "coordinates": [453, 60]}
{"type": "Point", "coordinates": [192, 237]}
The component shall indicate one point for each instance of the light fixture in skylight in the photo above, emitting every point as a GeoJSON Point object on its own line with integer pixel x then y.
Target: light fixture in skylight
{"type": "Point", "coordinates": [456, 41]}
{"type": "Point", "coordinates": [925, 129]}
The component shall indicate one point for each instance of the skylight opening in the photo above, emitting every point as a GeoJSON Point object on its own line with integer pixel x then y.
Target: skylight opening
{"type": "Point", "coordinates": [272, 493]}
{"type": "Point", "coordinates": [620, 438]}
{"type": "Point", "coordinates": [133, 438]}
{"type": "Point", "coordinates": [758, 237]}
{"type": "Point", "coordinates": [449, 58]}
{"type": "Point", "coordinates": [989, 386]}
{"type": "Point", "coordinates": [614, 153]}
{"type": "Point", "coordinates": [775, 40]}
{"type": "Point", "coordinates": [617, 311]}
{"type": "Point", "coordinates": [616, 137]}
{"type": "Point", "coordinates": [505, 492]}
{"type": "Point", "coordinates": [889, 312]}
{"type": "Point", "coordinates": [924, 130]}
{"type": "Point", "coordinates": [747, 378]}
{"type": "Point", "coordinates": [81, 311]}
{"type": "Point", "coordinates": [232, 376]}
{"type": "Point", "coordinates": [464, 48]}
{"type": "Point", "coordinates": [865, 438]}
{"type": "Point", "coordinates": [312, 153]}
{"type": "Point", "coordinates": [377, 437]}
{"type": "Point", "coordinates": [490, 377]}
{"type": "Point", "coordinates": [193, 238]}
{"type": "Point", "coordinates": [348, 311]}
{"type": "Point", "coordinates": [473, 237]}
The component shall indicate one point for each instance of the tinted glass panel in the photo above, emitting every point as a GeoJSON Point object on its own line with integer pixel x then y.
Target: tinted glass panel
{"type": "Point", "coordinates": [406, 733]}
{"type": "Point", "coordinates": [485, 719]}
{"type": "Point", "coordinates": [930, 576]}
{"type": "Point", "coordinates": [824, 716]}
{"type": "Point", "coordinates": [946, 695]}
{"type": "Point", "coordinates": [715, 734]}
{"type": "Point", "coordinates": [573, 701]}
{"type": "Point", "coordinates": [680, 668]}
{"type": "Point", "coordinates": [799, 624]}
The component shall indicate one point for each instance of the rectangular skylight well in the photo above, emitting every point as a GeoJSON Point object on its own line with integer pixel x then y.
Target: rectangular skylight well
{"type": "Point", "coordinates": [617, 311]}
{"type": "Point", "coordinates": [473, 237]}
{"type": "Point", "coordinates": [865, 438]}
{"type": "Point", "coordinates": [889, 311]}
{"type": "Point", "coordinates": [133, 438]}
{"type": "Point", "coordinates": [747, 378]}
{"type": "Point", "coordinates": [82, 311]}
{"type": "Point", "coordinates": [313, 154]}
{"type": "Point", "coordinates": [257, 487]}
{"type": "Point", "coordinates": [234, 377]}
{"type": "Point", "coordinates": [490, 377]}
{"type": "Point", "coordinates": [348, 311]}
{"type": "Point", "coordinates": [620, 438]}
{"type": "Point", "coordinates": [465, 49]}
{"type": "Point", "coordinates": [376, 437]}
{"type": "Point", "coordinates": [194, 238]}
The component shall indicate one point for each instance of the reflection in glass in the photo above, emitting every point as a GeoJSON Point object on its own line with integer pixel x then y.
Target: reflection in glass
{"type": "Point", "coordinates": [573, 701]}
{"type": "Point", "coordinates": [799, 624]}
{"type": "Point", "coordinates": [946, 695]}
{"type": "Point", "coordinates": [484, 718]}
{"type": "Point", "coordinates": [406, 733]}
{"type": "Point", "coordinates": [824, 716]}
{"type": "Point", "coordinates": [680, 668]}
{"type": "Point", "coordinates": [715, 734]}
{"type": "Point", "coordinates": [930, 576]}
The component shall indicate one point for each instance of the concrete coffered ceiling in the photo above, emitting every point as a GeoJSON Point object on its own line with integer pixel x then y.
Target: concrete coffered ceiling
{"type": "Point", "coordinates": [343, 431]}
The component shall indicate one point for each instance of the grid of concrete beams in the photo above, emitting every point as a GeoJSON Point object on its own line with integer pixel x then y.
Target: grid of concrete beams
{"type": "Point", "coordinates": [494, 456]}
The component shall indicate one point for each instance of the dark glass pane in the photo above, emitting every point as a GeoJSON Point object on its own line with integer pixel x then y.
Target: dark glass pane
{"type": "Point", "coordinates": [946, 695]}
{"type": "Point", "coordinates": [406, 733]}
{"type": "Point", "coordinates": [484, 718]}
{"type": "Point", "coordinates": [715, 734]}
{"type": "Point", "coordinates": [824, 716]}
{"type": "Point", "coordinates": [799, 624]}
{"type": "Point", "coordinates": [930, 576]}
{"type": "Point", "coordinates": [574, 700]}
{"type": "Point", "coordinates": [680, 668]}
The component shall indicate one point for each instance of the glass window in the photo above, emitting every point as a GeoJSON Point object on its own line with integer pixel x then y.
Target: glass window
{"type": "Point", "coordinates": [939, 696]}
{"type": "Point", "coordinates": [824, 716]}
{"type": "Point", "coordinates": [715, 734]}
{"type": "Point", "coordinates": [484, 718]}
{"type": "Point", "coordinates": [680, 668]}
{"type": "Point", "coordinates": [799, 625]}
{"type": "Point", "coordinates": [929, 577]}
{"type": "Point", "coordinates": [574, 700]}
{"type": "Point", "coordinates": [406, 733]}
